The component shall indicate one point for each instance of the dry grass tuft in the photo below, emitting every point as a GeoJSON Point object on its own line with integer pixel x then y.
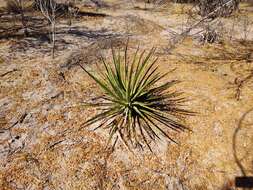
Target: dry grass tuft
{"type": "Point", "coordinates": [17, 7]}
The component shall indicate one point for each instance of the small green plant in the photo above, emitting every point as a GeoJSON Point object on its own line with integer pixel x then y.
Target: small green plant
{"type": "Point", "coordinates": [135, 106]}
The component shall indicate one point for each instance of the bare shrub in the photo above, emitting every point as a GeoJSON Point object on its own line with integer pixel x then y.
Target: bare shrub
{"type": "Point", "coordinates": [246, 27]}
{"type": "Point", "coordinates": [210, 35]}
{"type": "Point", "coordinates": [219, 7]}
{"type": "Point", "coordinates": [19, 7]}
{"type": "Point", "coordinates": [72, 11]}
{"type": "Point", "coordinates": [48, 8]}
{"type": "Point", "coordinates": [13, 6]}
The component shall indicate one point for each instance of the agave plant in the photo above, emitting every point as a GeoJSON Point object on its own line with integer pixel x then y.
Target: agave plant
{"type": "Point", "coordinates": [136, 106]}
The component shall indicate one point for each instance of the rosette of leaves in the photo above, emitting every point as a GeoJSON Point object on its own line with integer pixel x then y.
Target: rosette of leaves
{"type": "Point", "coordinates": [136, 106]}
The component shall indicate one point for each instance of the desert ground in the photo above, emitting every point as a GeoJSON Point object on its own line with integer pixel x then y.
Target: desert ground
{"type": "Point", "coordinates": [40, 97]}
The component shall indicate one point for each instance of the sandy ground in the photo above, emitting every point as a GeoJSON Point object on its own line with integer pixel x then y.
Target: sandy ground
{"type": "Point", "coordinates": [40, 147]}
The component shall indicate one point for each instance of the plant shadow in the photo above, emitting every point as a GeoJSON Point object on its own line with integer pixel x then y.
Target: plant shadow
{"type": "Point", "coordinates": [245, 181]}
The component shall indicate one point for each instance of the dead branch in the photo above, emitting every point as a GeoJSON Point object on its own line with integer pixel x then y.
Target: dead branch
{"type": "Point", "coordinates": [185, 33]}
{"type": "Point", "coordinates": [8, 72]}
{"type": "Point", "coordinates": [240, 83]}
